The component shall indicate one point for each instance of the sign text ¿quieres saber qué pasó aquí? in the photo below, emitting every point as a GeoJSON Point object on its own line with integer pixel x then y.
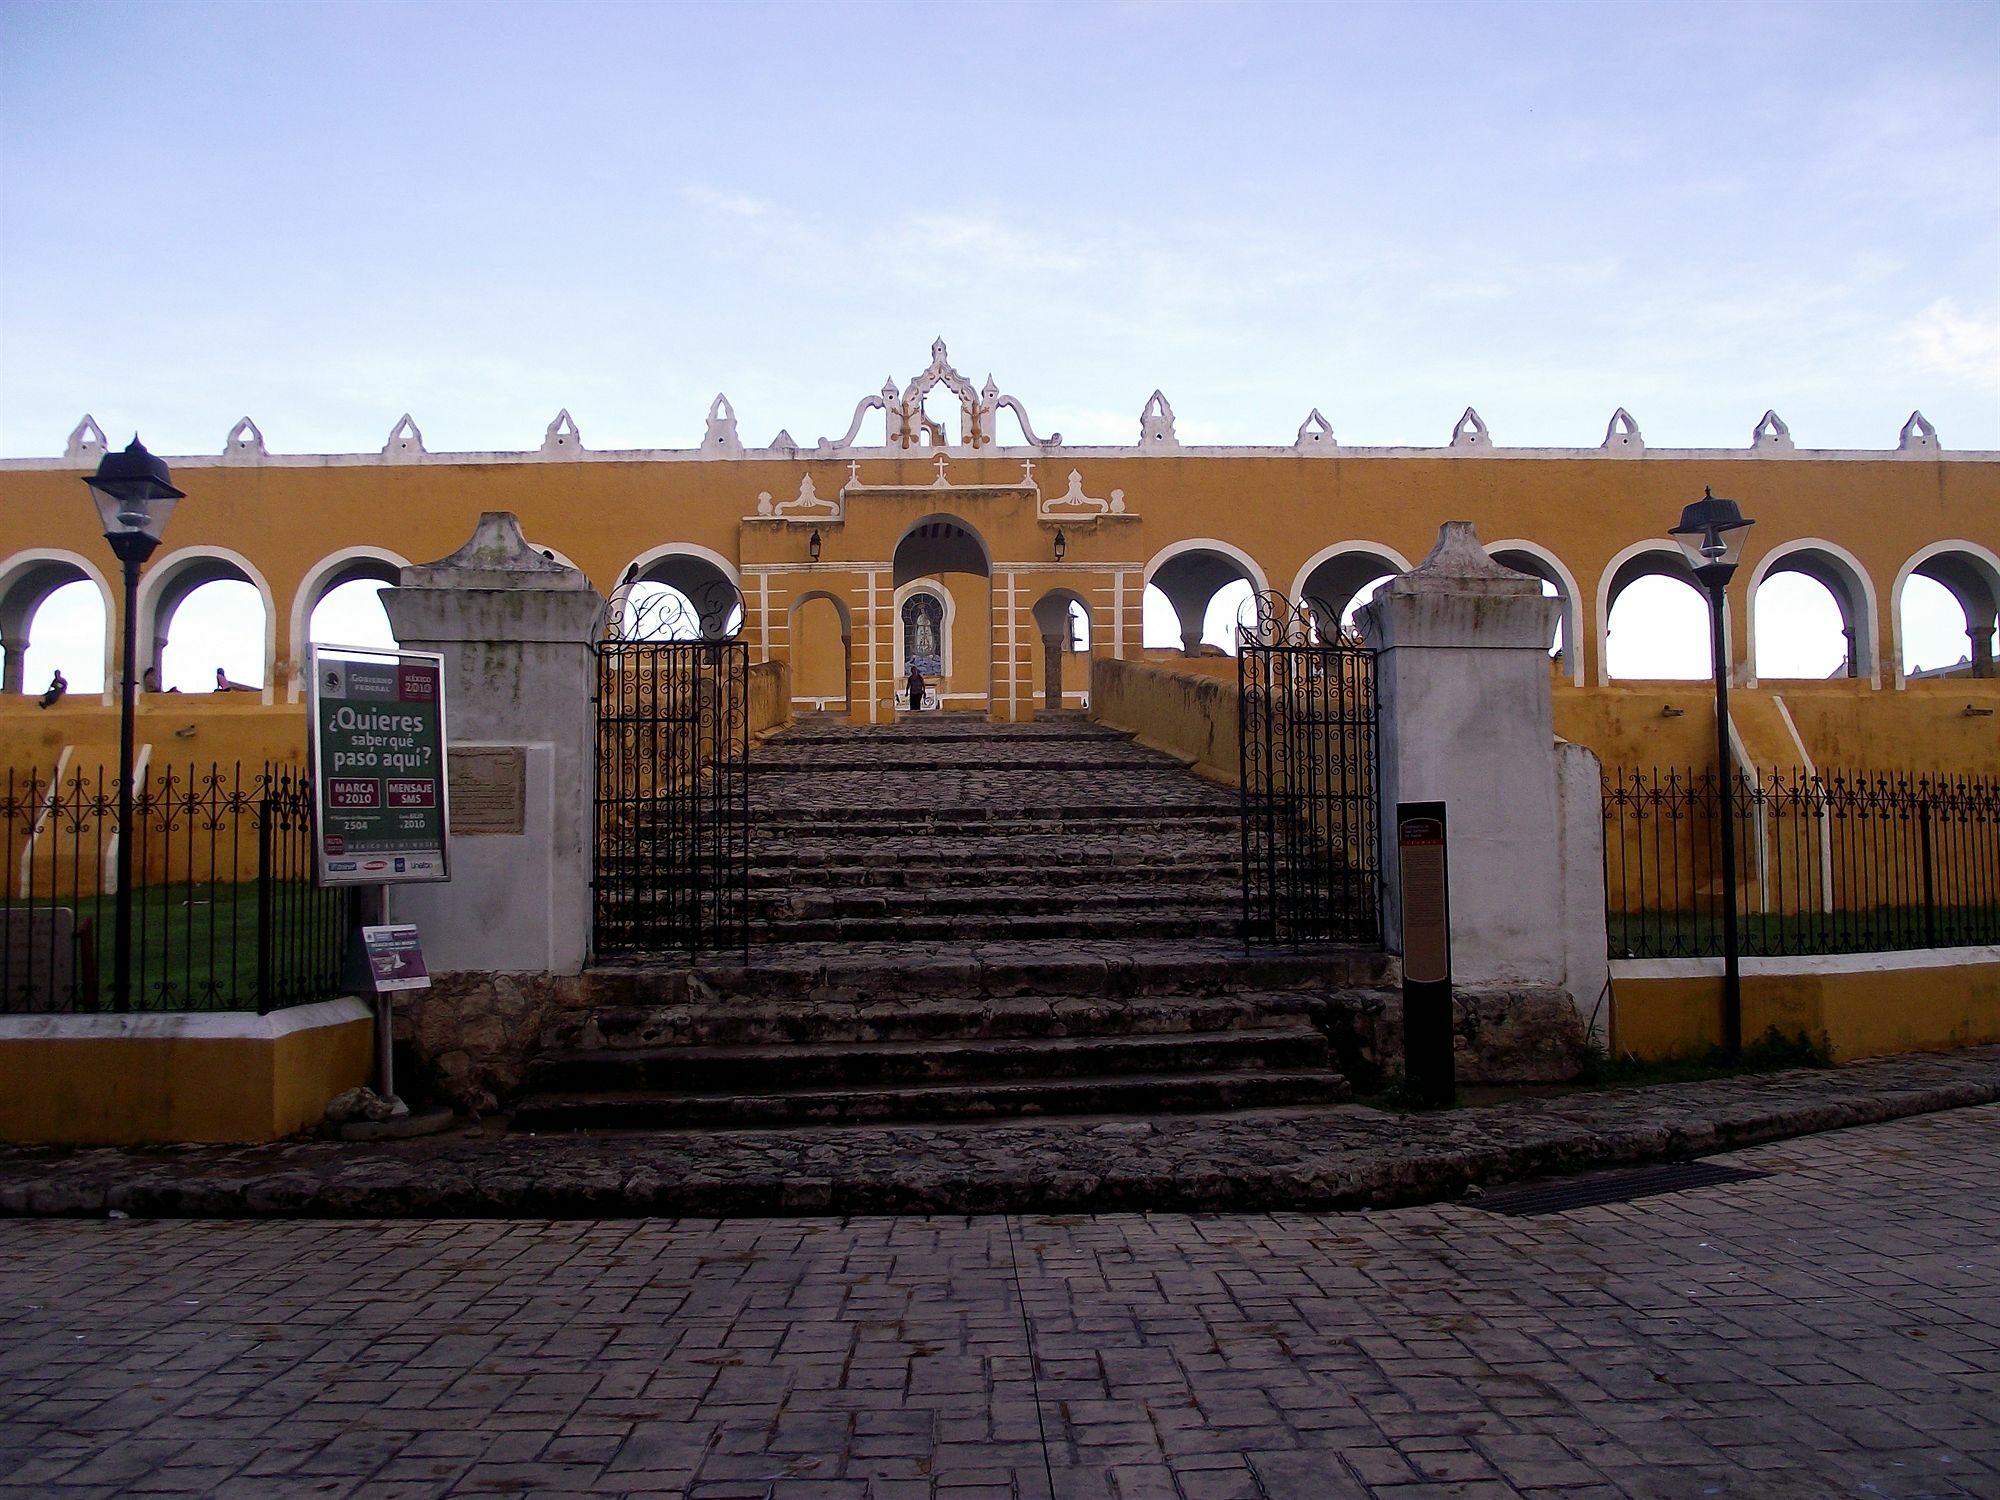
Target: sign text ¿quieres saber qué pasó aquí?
{"type": "Point", "coordinates": [379, 755]}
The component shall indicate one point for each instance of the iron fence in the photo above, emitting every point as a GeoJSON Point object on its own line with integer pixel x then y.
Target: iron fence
{"type": "Point", "coordinates": [1843, 862]}
{"type": "Point", "coordinates": [225, 915]}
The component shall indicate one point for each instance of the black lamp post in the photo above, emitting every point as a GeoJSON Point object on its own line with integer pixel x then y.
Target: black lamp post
{"type": "Point", "coordinates": [1711, 533]}
{"type": "Point", "coordinates": [134, 495]}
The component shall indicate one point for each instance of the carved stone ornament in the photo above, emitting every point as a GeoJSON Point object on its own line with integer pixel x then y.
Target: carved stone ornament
{"type": "Point", "coordinates": [1771, 435]}
{"type": "Point", "coordinates": [1918, 436]}
{"type": "Point", "coordinates": [721, 435]}
{"type": "Point", "coordinates": [1621, 434]}
{"type": "Point", "coordinates": [244, 445]}
{"type": "Point", "coordinates": [905, 424]}
{"type": "Point", "coordinates": [86, 440]}
{"type": "Point", "coordinates": [807, 505]}
{"type": "Point", "coordinates": [784, 442]}
{"type": "Point", "coordinates": [562, 440]}
{"type": "Point", "coordinates": [1315, 433]}
{"type": "Point", "coordinates": [1471, 433]}
{"type": "Point", "coordinates": [1156, 424]}
{"type": "Point", "coordinates": [405, 441]}
{"type": "Point", "coordinates": [1073, 504]}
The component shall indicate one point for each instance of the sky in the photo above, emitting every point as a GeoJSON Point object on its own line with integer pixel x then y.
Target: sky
{"type": "Point", "coordinates": [323, 216]}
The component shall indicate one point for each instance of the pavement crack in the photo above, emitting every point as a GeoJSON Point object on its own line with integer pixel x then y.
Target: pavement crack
{"type": "Point", "coordinates": [1034, 1361]}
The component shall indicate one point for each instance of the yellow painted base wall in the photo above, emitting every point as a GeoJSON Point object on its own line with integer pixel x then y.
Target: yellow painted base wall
{"type": "Point", "coordinates": [152, 1090]}
{"type": "Point", "coordinates": [1867, 1013]}
{"type": "Point", "coordinates": [1191, 715]}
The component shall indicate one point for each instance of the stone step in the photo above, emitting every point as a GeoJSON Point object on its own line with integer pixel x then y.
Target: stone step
{"type": "Point", "coordinates": [977, 927]}
{"type": "Point", "coordinates": [829, 1018]}
{"type": "Point", "coordinates": [844, 976]}
{"type": "Point", "coordinates": [1131, 1094]}
{"type": "Point", "coordinates": [806, 903]}
{"type": "Point", "coordinates": [882, 872]}
{"type": "Point", "coordinates": [1039, 818]}
{"type": "Point", "coordinates": [848, 1066]}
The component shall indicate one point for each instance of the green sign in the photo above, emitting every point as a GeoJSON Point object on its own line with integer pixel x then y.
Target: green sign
{"type": "Point", "coordinates": [378, 765]}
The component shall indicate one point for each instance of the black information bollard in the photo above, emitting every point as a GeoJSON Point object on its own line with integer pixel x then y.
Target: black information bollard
{"type": "Point", "coordinates": [1429, 1070]}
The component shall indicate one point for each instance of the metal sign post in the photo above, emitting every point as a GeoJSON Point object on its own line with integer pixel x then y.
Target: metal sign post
{"type": "Point", "coordinates": [1424, 874]}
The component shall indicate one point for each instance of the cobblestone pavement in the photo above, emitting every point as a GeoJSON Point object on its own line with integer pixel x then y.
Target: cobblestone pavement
{"type": "Point", "coordinates": [1831, 1328]}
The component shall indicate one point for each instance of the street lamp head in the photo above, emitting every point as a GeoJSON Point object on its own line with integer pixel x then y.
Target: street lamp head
{"type": "Point", "coordinates": [813, 544]}
{"type": "Point", "coordinates": [1062, 544]}
{"type": "Point", "coordinates": [1711, 534]}
{"type": "Point", "coordinates": [134, 494]}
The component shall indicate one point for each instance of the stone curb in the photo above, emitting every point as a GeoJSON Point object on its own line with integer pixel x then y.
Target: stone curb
{"type": "Point", "coordinates": [1343, 1158]}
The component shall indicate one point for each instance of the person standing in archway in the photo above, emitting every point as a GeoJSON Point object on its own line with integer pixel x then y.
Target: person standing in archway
{"type": "Point", "coordinates": [916, 688]}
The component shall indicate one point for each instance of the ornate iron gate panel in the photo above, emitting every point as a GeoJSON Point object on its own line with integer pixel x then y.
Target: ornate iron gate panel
{"type": "Point", "coordinates": [1306, 729]}
{"type": "Point", "coordinates": [673, 796]}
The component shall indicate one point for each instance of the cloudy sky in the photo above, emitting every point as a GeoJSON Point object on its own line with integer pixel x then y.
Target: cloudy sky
{"type": "Point", "coordinates": [323, 216]}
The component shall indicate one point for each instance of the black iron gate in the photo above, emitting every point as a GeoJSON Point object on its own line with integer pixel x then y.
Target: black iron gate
{"type": "Point", "coordinates": [673, 796]}
{"type": "Point", "coordinates": [1306, 735]}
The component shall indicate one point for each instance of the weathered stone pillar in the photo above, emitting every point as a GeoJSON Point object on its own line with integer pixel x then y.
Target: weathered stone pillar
{"type": "Point", "coordinates": [514, 628]}
{"type": "Point", "coordinates": [1467, 718]}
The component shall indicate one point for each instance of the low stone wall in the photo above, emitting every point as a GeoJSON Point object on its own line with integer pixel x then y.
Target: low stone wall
{"type": "Point", "coordinates": [157, 1079]}
{"type": "Point", "coordinates": [1531, 1035]}
{"type": "Point", "coordinates": [1188, 714]}
{"type": "Point", "coordinates": [1856, 1004]}
{"type": "Point", "coordinates": [472, 1035]}
{"type": "Point", "coordinates": [770, 697]}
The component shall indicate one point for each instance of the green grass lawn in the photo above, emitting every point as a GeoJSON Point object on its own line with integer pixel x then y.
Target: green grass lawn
{"type": "Point", "coordinates": [195, 947]}
{"type": "Point", "coordinates": [1675, 934]}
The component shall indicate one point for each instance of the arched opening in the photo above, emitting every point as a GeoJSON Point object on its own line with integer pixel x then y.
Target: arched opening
{"type": "Point", "coordinates": [1062, 623]}
{"type": "Point", "coordinates": [1969, 575]}
{"type": "Point", "coordinates": [682, 593]}
{"type": "Point", "coordinates": [822, 649]}
{"type": "Point", "coordinates": [205, 624]}
{"type": "Point", "coordinates": [941, 407]}
{"type": "Point", "coordinates": [1559, 584]}
{"type": "Point", "coordinates": [54, 616]}
{"type": "Point", "coordinates": [942, 611]}
{"type": "Point", "coordinates": [1195, 591]}
{"type": "Point", "coordinates": [1657, 629]}
{"type": "Point", "coordinates": [1811, 614]}
{"type": "Point", "coordinates": [351, 614]}
{"type": "Point", "coordinates": [1341, 579]}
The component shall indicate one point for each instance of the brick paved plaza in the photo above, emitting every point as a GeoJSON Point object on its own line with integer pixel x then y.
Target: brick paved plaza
{"type": "Point", "coordinates": [1832, 1328]}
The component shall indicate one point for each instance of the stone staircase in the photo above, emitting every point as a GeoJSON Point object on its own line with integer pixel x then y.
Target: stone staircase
{"type": "Point", "coordinates": [954, 920]}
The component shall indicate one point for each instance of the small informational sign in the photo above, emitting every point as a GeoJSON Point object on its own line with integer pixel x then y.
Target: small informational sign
{"type": "Point", "coordinates": [489, 789]}
{"type": "Point", "coordinates": [1424, 887]}
{"type": "Point", "coordinates": [379, 780]}
{"type": "Point", "coordinates": [395, 959]}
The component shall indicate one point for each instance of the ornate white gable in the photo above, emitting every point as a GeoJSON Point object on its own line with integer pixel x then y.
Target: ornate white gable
{"type": "Point", "coordinates": [562, 440]}
{"type": "Point", "coordinates": [405, 441]}
{"type": "Point", "coordinates": [245, 444]}
{"type": "Point", "coordinates": [86, 440]}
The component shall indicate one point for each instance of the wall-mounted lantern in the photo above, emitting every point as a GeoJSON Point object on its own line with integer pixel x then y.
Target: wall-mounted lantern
{"type": "Point", "coordinates": [1062, 544]}
{"type": "Point", "coordinates": [812, 545]}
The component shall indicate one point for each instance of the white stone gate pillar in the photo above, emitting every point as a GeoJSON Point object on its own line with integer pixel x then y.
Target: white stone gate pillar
{"type": "Point", "coordinates": [1467, 718]}
{"type": "Point", "coordinates": [514, 628]}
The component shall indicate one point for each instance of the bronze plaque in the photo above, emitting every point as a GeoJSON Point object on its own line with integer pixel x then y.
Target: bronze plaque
{"type": "Point", "coordinates": [489, 789]}
{"type": "Point", "coordinates": [1426, 903]}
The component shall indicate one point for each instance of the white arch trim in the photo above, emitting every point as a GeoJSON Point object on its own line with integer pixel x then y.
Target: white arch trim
{"type": "Point", "coordinates": [310, 591]}
{"type": "Point", "coordinates": [1342, 549]}
{"type": "Point", "coordinates": [1916, 560]}
{"type": "Point", "coordinates": [1572, 598]}
{"type": "Point", "coordinates": [840, 605]}
{"type": "Point", "coordinates": [27, 557]}
{"type": "Point", "coordinates": [1867, 631]}
{"type": "Point", "coordinates": [936, 588]}
{"type": "Point", "coordinates": [1671, 552]}
{"type": "Point", "coordinates": [1209, 544]}
{"type": "Point", "coordinates": [645, 560]}
{"type": "Point", "coordinates": [162, 572]}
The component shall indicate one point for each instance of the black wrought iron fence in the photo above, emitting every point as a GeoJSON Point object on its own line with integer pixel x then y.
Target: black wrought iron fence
{"type": "Point", "coordinates": [1842, 862]}
{"type": "Point", "coordinates": [225, 915]}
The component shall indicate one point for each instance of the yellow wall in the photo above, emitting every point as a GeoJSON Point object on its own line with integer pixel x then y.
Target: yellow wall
{"type": "Point", "coordinates": [1191, 715]}
{"type": "Point", "coordinates": [1869, 1005]}
{"type": "Point", "coordinates": [103, 1090]}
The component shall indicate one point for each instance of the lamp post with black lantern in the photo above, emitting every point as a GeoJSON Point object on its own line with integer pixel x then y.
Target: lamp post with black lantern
{"type": "Point", "coordinates": [1711, 534]}
{"type": "Point", "coordinates": [134, 494]}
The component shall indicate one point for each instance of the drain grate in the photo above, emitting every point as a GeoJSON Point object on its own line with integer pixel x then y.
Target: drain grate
{"type": "Point", "coordinates": [1608, 1187]}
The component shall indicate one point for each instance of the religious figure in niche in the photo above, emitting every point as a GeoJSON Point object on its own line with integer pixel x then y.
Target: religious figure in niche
{"type": "Point", "coordinates": [923, 625]}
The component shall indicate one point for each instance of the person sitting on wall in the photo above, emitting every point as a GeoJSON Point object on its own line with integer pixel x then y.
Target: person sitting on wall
{"type": "Point", "coordinates": [916, 687]}
{"type": "Point", "coordinates": [58, 685]}
{"type": "Point", "coordinates": [224, 685]}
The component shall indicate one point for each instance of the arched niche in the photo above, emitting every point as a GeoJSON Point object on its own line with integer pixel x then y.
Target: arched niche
{"type": "Point", "coordinates": [821, 632]}
{"type": "Point", "coordinates": [1836, 570]}
{"type": "Point", "coordinates": [1191, 573]}
{"type": "Point", "coordinates": [336, 569]}
{"type": "Point", "coordinates": [1970, 573]}
{"type": "Point", "coordinates": [171, 581]}
{"type": "Point", "coordinates": [1335, 577]}
{"type": "Point", "coordinates": [940, 543]}
{"type": "Point", "coordinates": [27, 579]}
{"type": "Point", "coordinates": [705, 579]}
{"type": "Point", "coordinates": [1538, 562]}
